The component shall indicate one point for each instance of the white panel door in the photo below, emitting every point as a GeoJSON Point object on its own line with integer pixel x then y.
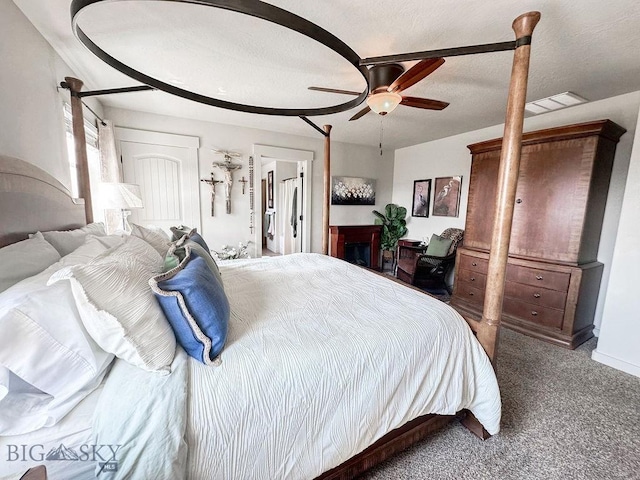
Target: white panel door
{"type": "Point", "coordinates": [168, 179]}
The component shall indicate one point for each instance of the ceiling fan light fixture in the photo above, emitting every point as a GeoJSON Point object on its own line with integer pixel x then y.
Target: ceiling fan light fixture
{"type": "Point", "coordinates": [383, 102]}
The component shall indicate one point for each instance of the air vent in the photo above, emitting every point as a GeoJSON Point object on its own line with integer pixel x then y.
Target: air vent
{"type": "Point", "coordinates": [556, 102]}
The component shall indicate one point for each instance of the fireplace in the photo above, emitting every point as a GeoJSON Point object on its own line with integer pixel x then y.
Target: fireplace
{"type": "Point", "coordinates": [357, 244]}
{"type": "Point", "coordinates": [358, 253]}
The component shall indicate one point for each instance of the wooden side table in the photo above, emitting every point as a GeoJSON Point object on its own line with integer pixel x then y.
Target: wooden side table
{"type": "Point", "coordinates": [408, 251]}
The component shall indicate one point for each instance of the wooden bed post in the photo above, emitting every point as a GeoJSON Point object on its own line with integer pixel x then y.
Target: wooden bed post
{"type": "Point", "coordinates": [488, 331]}
{"type": "Point", "coordinates": [326, 204]}
{"type": "Point", "coordinates": [80, 143]}
{"type": "Point", "coordinates": [489, 328]}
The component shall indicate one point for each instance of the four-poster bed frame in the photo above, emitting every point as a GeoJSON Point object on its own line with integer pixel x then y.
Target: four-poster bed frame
{"type": "Point", "coordinates": [26, 190]}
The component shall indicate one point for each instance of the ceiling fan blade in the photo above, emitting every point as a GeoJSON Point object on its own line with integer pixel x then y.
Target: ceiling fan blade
{"type": "Point", "coordinates": [425, 103]}
{"type": "Point", "coordinates": [334, 90]}
{"type": "Point", "coordinates": [415, 74]}
{"type": "Point", "coordinates": [361, 113]}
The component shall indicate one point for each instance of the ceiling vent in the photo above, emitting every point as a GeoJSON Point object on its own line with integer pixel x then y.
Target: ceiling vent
{"type": "Point", "coordinates": [556, 102]}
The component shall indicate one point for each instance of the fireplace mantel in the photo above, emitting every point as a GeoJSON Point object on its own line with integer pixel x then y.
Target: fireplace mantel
{"type": "Point", "coordinates": [346, 237]}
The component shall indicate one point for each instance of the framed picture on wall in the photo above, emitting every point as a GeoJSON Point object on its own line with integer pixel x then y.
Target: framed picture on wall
{"type": "Point", "coordinates": [353, 191]}
{"type": "Point", "coordinates": [421, 198]}
{"type": "Point", "coordinates": [446, 200]}
{"type": "Point", "coordinates": [270, 189]}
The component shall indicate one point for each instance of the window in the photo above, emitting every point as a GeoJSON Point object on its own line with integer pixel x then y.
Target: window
{"type": "Point", "coordinates": [93, 159]}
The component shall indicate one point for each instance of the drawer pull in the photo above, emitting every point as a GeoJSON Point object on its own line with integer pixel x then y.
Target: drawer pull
{"type": "Point", "coordinates": [474, 264]}
{"type": "Point", "coordinates": [534, 313]}
{"type": "Point", "coordinates": [471, 294]}
{"type": "Point", "coordinates": [519, 200]}
{"type": "Point", "coordinates": [473, 279]}
{"type": "Point", "coordinates": [538, 277]}
{"type": "Point", "coordinates": [536, 295]}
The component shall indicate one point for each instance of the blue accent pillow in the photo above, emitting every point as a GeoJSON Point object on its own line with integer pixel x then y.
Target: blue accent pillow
{"type": "Point", "coordinates": [194, 302]}
{"type": "Point", "coordinates": [191, 233]}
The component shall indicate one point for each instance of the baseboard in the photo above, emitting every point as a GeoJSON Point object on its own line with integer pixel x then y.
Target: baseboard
{"type": "Point", "coordinates": [616, 363]}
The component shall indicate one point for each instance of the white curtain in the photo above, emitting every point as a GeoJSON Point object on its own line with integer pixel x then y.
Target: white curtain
{"type": "Point", "coordinates": [288, 218]}
{"type": "Point", "coordinates": [109, 169]}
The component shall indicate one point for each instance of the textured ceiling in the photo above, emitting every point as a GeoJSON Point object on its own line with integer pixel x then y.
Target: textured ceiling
{"type": "Point", "coordinates": [588, 47]}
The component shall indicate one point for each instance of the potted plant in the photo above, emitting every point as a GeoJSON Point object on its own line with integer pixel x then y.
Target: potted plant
{"type": "Point", "coordinates": [394, 227]}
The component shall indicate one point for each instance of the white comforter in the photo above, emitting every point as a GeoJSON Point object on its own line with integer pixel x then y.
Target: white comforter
{"type": "Point", "coordinates": [322, 359]}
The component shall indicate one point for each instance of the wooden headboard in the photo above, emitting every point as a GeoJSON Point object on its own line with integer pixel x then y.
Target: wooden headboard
{"type": "Point", "coordinates": [32, 200]}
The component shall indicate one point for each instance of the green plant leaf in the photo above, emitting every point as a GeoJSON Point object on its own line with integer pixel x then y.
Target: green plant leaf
{"type": "Point", "coordinates": [392, 210]}
{"type": "Point", "coordinates": [384, 220]}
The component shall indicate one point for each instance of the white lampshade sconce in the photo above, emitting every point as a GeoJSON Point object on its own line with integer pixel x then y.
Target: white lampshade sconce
{"type": "Point", "coordinates": [123, 197]}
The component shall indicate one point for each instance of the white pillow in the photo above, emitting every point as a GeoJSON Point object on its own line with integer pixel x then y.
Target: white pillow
{"type": "Point", "coordinates": [25, 259]}
{"type": "Point", "coordinates": [158, 239]}
{"type": "Point", "coordinates": [53, 361]}
{"type": "Point", "coordinates": [5, 374]}
{"type": "Point", "coordinates": [95, 228]}
{"type": "Point", "coordinates": [93, 247]}
{"type": "Point", "coordinates": [67, 241]}
{"type": "Point", "coordinates": [109, 241]}
{"type": "Point", "coordinates": [118, 308]}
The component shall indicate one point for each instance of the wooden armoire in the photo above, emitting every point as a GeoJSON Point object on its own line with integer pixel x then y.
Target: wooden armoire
{"type": "Point", "coordinates": [553, 276]}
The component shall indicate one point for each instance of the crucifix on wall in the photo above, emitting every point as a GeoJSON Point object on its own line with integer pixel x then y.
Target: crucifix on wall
{"type": "Point", "coordinates": [227, 169]}
{"type": "Point", "coordinates": [212, 183]}
{"type": "Point", "coordinates": [244, 182]}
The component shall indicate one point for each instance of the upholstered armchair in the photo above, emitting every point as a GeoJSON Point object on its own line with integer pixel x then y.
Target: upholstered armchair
{"type": "Point", "coordinates": [430, 269]}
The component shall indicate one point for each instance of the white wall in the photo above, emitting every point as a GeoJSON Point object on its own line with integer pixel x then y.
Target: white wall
{"type": "Point", "coordinates": [619, 342]}
{"type": "Point", "coordinates": [450, 156]}
{"type": "Point", "coordinates": [346, 159]}
{"type": "Point", "coordinates": [31, 119]}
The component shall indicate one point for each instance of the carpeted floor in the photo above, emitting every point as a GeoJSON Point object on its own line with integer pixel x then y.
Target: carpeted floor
{"type": "Point", "coordinates": [564, 416]}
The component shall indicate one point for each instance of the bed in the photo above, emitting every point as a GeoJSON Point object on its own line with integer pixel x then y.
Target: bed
{"type": "Point", "coordinates": [324, 363]}
{"type": "Point", "coordinates": [325, 373]}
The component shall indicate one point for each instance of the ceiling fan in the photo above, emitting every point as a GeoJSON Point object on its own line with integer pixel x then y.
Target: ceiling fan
{"type": "Point", "coordinates": [387, 81]}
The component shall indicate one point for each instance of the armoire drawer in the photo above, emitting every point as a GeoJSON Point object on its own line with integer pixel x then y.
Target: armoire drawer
{"type": "Point", "coordinates": [468, 292]}
{"type": "Point", "coordinates": [477, 279]}
{"type": "Point", "coordinates": [535, 295]}
{"type": "Point", "coordinates": [549, 317]}
{"type": "Point", "coordinates": [541, 278]}
{"type": "Point", "coordinates": [474, 264]}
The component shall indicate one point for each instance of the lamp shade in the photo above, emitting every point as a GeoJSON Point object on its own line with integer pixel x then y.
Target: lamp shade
{"type": "Point", "coordinates": [125, 196]}
{"type": "Point", "coordinates": [384, 102]}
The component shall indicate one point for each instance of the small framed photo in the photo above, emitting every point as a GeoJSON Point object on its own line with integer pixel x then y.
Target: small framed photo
{"type": "Point", "coordinates": [446, 196]}
{"type": "Point", "coordinates": [270, 189]}
{"type": "Point", "coordinates": [421, 197]}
